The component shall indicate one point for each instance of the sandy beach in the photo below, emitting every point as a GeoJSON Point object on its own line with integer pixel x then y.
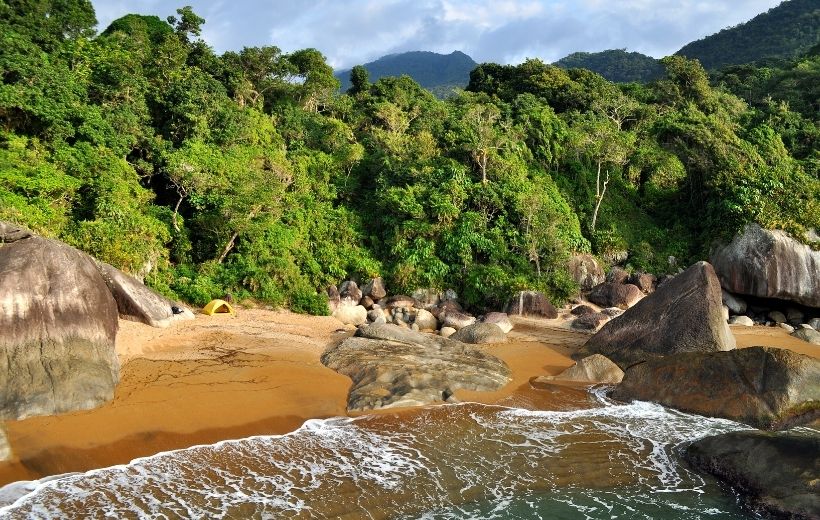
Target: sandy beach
{"type": "Point", "coordinates": [258, 373]}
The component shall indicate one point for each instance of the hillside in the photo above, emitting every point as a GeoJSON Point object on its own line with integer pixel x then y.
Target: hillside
{"type": "Point", "coordinates": [438, 73]}
{"type": "Point", "coordinates": [616, 65]}
{"type": "Point", "coordinates": [785, 31]}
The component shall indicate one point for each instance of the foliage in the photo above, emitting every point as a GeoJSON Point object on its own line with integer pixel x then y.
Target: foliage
{"type": "Point", "coordinates": [616, 65]}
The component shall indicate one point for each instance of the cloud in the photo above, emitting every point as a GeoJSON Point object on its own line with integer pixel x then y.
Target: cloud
{"type": "Point", "coordinates": [351, 32]}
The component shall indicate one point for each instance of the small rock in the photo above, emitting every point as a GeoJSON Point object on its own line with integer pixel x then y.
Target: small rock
{"type": "Point", "coordinates": [777, 317]}
{"type": "Point", "coordinates": [375, 314]}
{"type": "Point", "coordinates": [725, 313]}
{"type": "Point", "coordinates": [398, 301]}
{"type": "Point", "coordinates": [590, 322]}
{"type": "Point", "coordinates": [425, 320]}
{"type": "Point", "coordinates": [612, 312]}
{"type": "Point", "coordinates": [480, 334]}
{"type": "Point", "coordinates": [446, 332]}
{"type": "Point", "coordinates": [785, 326]}
{"type": "Point", "coordinates": [582, 310]}
{"type": "Point", "coordinates": [617, 275]}
{"type": "Point", "coordinates": [815, 323]}
{"type": "Point", "coordinates": [586, 271]}
{"type": "Point", "coordinates": [415, 327]}
{"type": "Point", "coordinates": [618, 295]}
{"type": "Point", "coordinates": [457, 320]}
{"type": "Point", "coordinates": [794, 316]}
{"type": "Point", "coordinates": [333, 298]}
{"type": "Point", "coordinates": [375, 289]}
{"type": "Point", "coordinates": [741, 320]}
{"type": "Point", "coordinates": [427, 298]}
{"type": "Point", "coordinates": [644, 281]}
{"type": "Point", "coordinates": [499, 318]}
{"type": "Point", "coordinates": [366, 302]}
{"type": "Point", "coordinates": [809, 335]}
{"type": "Point", "coordinates": [591, 369]}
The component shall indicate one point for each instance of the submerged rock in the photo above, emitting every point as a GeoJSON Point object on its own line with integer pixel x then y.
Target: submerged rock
{"type": "Point", "coordinates": [480, 333]}
{"type": "Point", "coordinates": [769, 264]}
{"type": "Point", "coordinates": [393, 367]}
{"type": "Point", "coordinates": [592, 369]}
{"type": "Point", "coordinates": [768, 388]}
{"type": "Point", "coordinates": [533, 304]}
{"type": "Point", "coordinates": [58, 322]}
{"type": "Point", "coordinates": [779, 473]}
{"type": "Point", "coordinates": [683, 315]}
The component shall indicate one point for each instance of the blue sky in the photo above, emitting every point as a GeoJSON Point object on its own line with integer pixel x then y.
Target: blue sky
{"type": "Point", "coordinates": [351, 32]}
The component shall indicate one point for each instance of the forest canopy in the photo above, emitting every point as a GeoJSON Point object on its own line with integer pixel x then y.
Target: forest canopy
{"type": "Point", "coordinates": [250, 173]}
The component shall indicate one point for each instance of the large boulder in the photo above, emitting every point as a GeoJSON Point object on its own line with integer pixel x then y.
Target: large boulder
{"type": "Point", "coordinates": [768, 388]}
{"type": "Point", "coordinates": [621, 295]}
{"type": "Point", "coordinates": [683, 315]}
{"type": "Point", "coordinates": [777, 473]}
{"type": "Point", "coordinates": [617, 275]}
{"type": "Point", "coordinates": [480, 334]}
{"type": "Point", "coordinates": [457, 320]}
{"type": "Point", "coordinates": [533, 304]}
{"type": "Point", "coordinates": [136, 302]}
{"type": "Point", "coordinates": [769, 264]}
{"type": "Point", "coordinates": [592, 369]}
{"type": "Point", "coordinates": [58, 322]}
{"type": "Point", "coordinates": [586, 271]}
{"type": "Point", "coordinates": [351, 315]}
{"type": "Point", "coordinates": [425, 320]}
{"type": "Point", "coordinates": [809, 335]}
{"type": "Point", "coordinates": [646, 282]}
{"type": "Point", "coordinates": [375, 289]}
{"type": "Point", "coordinates": [499, 318]}
{"type": "Point", "coordinates": [394, 367]}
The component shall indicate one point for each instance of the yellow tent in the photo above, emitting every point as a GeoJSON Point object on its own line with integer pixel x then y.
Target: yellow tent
{"type": "Point", "coordinates": [218, 306]}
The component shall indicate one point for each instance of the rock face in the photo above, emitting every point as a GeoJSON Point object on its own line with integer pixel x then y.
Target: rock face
{"type": "Point", "coordinates": [776, 472]}
{"type": "Point", "coordinates": [480, 333]}
{"type": "Point", "coordinates": [592, 369]}
{"type": "Point", "coordinates": [58, 322]}
{"type": "Point", "coordinates": [393, 367]}
{"type": "Point", "coordinates": [809, 335]}
{"type": "Point", "coordinates": [136, 302]}
{"type": "Point", "coordinates": [531, 303]}
{"type": "Point", "coordinates": [621, 295]}
{"type": "Point", "coordinates": [683, 315]}
{"type": "Point", "coordinates": [585, 270]}
{"type": "Point", "coordinates": [499, 318]}
{"type": "Point", "coordinates": [765, 387]}
{"type": "Point", "coordinates": [769, 264]}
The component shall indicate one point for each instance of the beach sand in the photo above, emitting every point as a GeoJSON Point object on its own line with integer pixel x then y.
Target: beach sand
{"type": "Point", "coordinates": [258, 373]}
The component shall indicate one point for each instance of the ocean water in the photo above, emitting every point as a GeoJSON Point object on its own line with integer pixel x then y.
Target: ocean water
{"type": "Point", "coordinates": [448, 462]}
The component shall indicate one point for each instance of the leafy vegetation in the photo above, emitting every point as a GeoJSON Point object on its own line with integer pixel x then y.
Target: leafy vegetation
{"type": "Point", "coordinates": [250, 173]}
{"type": "Point", "coordinates": [616, 65]}
{"type": "Point", "coordinates": [785, 31]}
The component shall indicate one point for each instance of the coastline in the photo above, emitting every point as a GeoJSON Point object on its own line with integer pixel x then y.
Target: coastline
{"type": "Point", "coordinates": [222, 377]}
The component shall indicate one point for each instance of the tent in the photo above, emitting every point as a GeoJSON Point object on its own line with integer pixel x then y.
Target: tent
{"type": "Point", "coordinates": [218, 307]}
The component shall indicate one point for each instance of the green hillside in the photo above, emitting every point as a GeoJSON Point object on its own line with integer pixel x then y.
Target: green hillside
{"type": "Point", "coordinates": [616, 65]}
{"type": "Point", "coordinates": [785, 31]}
{"type": "Point", "coordinates": [439, 73]}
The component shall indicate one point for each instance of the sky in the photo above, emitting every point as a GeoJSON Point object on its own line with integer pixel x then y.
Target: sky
{"type": "Point", "coordinates": [352, 32]}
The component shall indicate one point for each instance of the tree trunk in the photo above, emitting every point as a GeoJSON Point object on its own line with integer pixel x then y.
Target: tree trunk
{"type": "Point", "coordinates": [176, 212]}
{"type": "Point", "coordinates": [228, 247]}
{"type": "Point", "coordinates": [599, 195]}
{"type": "Point", "coordinates": [483, 168]}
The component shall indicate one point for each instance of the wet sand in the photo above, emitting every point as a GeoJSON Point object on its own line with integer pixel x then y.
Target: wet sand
{"type": "Point", "coordinates": [259, 373]}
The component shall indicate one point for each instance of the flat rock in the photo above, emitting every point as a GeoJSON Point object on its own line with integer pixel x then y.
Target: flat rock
{"type": "Point", "coordinates": [621, 295]}
{"type": "Point", "coordinates": [58, 322]}
{"type": "Point", "coordinates": [533, 304]}
{"type": "Point", "coordinates": [480, 334]}
{"type": "Point", "coordinates": [136, 302]}
{"type": "Point", "coordinates": [769, 264]}
{"type": "Point", "coordinates": [765, 387]}
{"type": "Point", "coordinates": [809, 335]}
{"type": "Point", "coordinates": [592, 369]}
{"type": "Point", "coordinates": [777, 473]}
{"type": "Point", "coordinates": [393, 367]}
{"type": "Point", "coordinates": [683, 315]}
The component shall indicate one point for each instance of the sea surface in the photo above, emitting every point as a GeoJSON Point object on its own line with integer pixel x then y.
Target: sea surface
{"type": "Point", "coordinates": [447, 462]}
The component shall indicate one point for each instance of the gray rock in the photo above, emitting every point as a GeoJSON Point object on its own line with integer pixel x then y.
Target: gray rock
{"type": "Point", "coordinates": [617, 275]}
{"type": "Point", "coordinates": [586, 271]}
{"type": "Point", "coordinates": [499, 318]}
{"type": "Point", "coordinates": [351, 315]}
{"type": "Point", "coordinates": [815, 323]}
{"type": "Point", "coordinates": [777, 317]}
{"type": "Point", "coordinates": [590, 322]}
{"type": "Point", "coordinates": [765, 387]}
{"type": "Point", "coordinates": [480, 334]}
{"type": "Point", "coordinates": [374, 289]}
{"type": "Point", "coordinates": [795, 316]}
{"type": "Point", "coordinates": [427, 298]}
{"type": "Point", "coordinates": [621, 295]}
{"type": "Point", "coordinates": [350, 294]}
{"type": "Point", "coordinates": [10, 232]}
{"type": "Point", "coordinates": [785, 326]}
{"type": "Point", "coordinates": [592, 369]}
{"type": "Point", "coordinates": [446, 332]}
{"type": "Point", "coordinates": [457, 320]}
{"type": "Point", "coordinates": [741, 320]}
{"type": "Point", "coordinates": [735, 303]}
{"type": "Point", "coordinates": [769, 264]}
{"type": "Point", "coordinates": [391, 367]}
{"type": "Point", "coordinates": [809, 335]}
{"type": "Point", "coordinates": [374, 314]}
{"type": "Point", "coordinates": [776, 473]}
{"type": "Point", "coordinates": [58, 322]}
{"type": "Point", "coordinates": [136, 302]}
{"type": "Point", "coordinates": [532, 304]}
{"type": "Point", "coordinates": [683, 315]}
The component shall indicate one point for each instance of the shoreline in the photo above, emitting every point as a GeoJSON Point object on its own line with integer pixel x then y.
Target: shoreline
{"type": "Point", "coordinates": [221, 378]}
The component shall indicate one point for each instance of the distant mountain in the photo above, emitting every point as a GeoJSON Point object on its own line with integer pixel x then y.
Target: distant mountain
{"type": "Point", "coordinates": [785, 31]}
{"type": "Point", "coordinates": [439, 73]}
{"type": "Point", "coordinates": [616, 65]}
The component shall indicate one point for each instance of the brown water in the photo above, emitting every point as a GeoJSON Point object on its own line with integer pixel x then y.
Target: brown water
{"type": "Point", "coordinates": [459, 461]}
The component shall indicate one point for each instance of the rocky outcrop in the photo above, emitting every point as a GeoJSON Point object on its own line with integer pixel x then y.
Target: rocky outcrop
{"type": "Point", "coordinates": [768, 388]}
{"type": "Point", "coordinates": [778, 473]}
{"type": "Point", "coordinates": [591, 369]}
{"type": "Point", "coordinates": [480, 334]}
{"type": "Point", "coordinates": [769, 264]}
{"type": "Point", "coordinates": [58, 322]}
{"type": "Point", "coordinates": [683, 315]}
{"type": "Point", "coordinates": [586, 271]}
{"type": "Point", "coordinates": [808, 335]}
{"type": "Point", "coordinates": [533, 304]}
{"type": "Point", "coordinates": [394, 367]}
{"type": "Point", "coordinates": [136, 302]}
{"type": "Point", "coordinates": [621, 295]}
{"type": "Point", "coordinates": [499, 318]}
